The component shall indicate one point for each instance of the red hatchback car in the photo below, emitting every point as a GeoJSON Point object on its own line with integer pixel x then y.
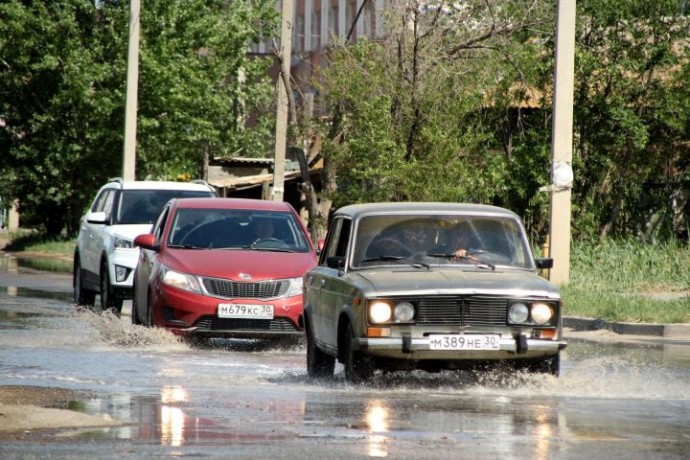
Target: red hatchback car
{"type": "Point", "coordinates": [223, 267]}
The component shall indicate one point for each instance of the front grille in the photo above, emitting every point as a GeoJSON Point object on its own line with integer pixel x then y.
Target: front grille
{"type": "Point", "coordinates": [462, 310]}
{"type": "Point", "coordinates": [228, 289]}
{"type": "Point", "coordinates": [211, 323]}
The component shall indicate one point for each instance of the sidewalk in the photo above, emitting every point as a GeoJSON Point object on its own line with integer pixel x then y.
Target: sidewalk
{"type": "Point", "coordinates": [591, 328]}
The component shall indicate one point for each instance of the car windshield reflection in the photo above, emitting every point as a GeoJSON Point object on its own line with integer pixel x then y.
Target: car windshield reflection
{"type": "Point", "coordinates": [237, 229]}
{"type": "Point", "coordinates": [485, 242]}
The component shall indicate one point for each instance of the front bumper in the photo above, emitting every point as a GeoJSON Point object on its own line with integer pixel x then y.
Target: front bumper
{"type": "Point", "coordinates": [413, 348]}
{"type": "Point", "coordinates": [186, 313]}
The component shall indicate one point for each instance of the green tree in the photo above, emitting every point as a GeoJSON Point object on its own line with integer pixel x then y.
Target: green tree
{"type": "Point", "coordinates": [423, 110]}
{"type": "Point", "coordinates": [62, 94]}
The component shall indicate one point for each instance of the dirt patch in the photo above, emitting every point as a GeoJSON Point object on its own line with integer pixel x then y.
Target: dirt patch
{"type": "Point", "coordinates": [24, 409]}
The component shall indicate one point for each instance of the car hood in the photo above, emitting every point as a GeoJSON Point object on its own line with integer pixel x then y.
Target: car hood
{"type": "Point", "coordinates": [240, 265]}
{"type": "Point", "coordinates": [455, 281]}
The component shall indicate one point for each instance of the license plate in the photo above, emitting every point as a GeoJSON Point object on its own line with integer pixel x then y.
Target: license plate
{"type": "Point", "coordinates": [234, 310]}
{"type": "Point", "coordinates": [465, 342]}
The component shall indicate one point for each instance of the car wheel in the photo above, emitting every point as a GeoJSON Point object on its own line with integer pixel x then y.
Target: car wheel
{"type": "Point", "coordinates": [108, 299]}
{"type": "Point", "coordinates": [148, 316]}
{"type": "Point", "coordinates": [135, 316]}
{"type": "Point", "coordinates": [82, 297]}
{"type": "Point", "coordinates": [358, 367]}
{"type": "Point", "coordinates": [319, 364]}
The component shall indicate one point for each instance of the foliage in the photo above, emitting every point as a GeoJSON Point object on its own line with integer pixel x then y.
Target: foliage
{"type": "Point", "coordinates": [423, 110]}
{"type": "Point", "coordinates": [63, 82]}
{"type": "Point", "coordinates": [461, 97]}
{"type": "Point", "coordinates": [625, 280]}
{"type": "Point", "coordinates": [631, 126]}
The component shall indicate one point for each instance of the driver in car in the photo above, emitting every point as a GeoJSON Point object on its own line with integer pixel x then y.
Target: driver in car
{"type": "Point", "coordinates": [263, 229]}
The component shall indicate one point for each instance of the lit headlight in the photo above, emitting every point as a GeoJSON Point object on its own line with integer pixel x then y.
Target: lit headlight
{"type": "Point", "coordinates": [296, 285]}
{"type": "Point", "coordinates": [380, 312]}
{"type": "Point", "coordinates": [541, 313]}
{"type": "Point", "coordinates": [122, 243]}
{"type": "Point", "coordinates": [179, 280]}
{"type": "Point", "coordinates": [518, 313]}
{"type": "Point", "coordinates": [404, 312]}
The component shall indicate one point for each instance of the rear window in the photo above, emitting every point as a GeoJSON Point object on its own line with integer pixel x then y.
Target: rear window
{"type": "Point", "coordinates": [144, 206]}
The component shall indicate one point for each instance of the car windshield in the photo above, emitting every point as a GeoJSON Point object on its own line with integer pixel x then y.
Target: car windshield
{"type": "Point", "coordinates": [144, 206]}
{"type": "Point", "coordinates": [440, 240]}
{"type": "Point", "coordinates": [237, 229]}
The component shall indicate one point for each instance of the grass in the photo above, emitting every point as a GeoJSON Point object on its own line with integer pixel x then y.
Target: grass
{"type": "Point", "coordinates": [25, 240]}
{"type": "Point", "coordinates": [629, 281]}
{"type": "Point", "coordinates": [612, 280]}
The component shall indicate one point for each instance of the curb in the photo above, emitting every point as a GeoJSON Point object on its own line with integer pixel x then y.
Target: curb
{"type": "Point", "coordinates": [670, 331]}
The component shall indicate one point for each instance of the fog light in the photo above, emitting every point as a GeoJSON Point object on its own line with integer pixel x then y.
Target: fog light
{"type": "Point", "coordinates": [121, 273]}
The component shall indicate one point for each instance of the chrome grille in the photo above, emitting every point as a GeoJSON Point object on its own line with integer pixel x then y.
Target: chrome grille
{"type": "Point", "coordinates": [462, 310]}
{"type": "Point", "coordinates": [228, 289]}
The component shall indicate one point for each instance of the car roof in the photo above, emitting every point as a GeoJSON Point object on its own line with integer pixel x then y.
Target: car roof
{"type": "Point", "coordinates": [231, 203]}
{"type": "Point", "coordinates": [356, 211]}
{"type": "Point", "coordinates": [160, 185]}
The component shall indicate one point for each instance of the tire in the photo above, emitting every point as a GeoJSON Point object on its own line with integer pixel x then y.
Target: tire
{"type": "Point", "coordinates": [82, 297]}
{"type": "Point", "coordinates": [358, 367]}
{"type": "Point", "coordinates": [135, 317]}
{"type": "Point", "coordinates": [320, 365]}
{"type": "Point", "coordinates": [109, 300]}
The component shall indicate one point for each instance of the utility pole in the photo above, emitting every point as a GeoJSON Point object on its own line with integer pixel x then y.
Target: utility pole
{"type": "Point", "coordinates": [562, 143]}
{"type": "Point", "coordinates": [129, 154]}
{"type": "Point", "coordinates": [282, 115]}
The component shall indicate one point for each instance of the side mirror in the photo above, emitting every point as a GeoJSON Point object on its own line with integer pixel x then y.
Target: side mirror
{"type": "Point", "coordinates": [146, 241]}
{"type": "Point", "coordinates": [97, 217]}
{"type": "Point", "coordinates": [335, 262]}
{"type": "Point", "coordinates": [544, 263]}
{"type": "Point", "coordinates": [321, 244]}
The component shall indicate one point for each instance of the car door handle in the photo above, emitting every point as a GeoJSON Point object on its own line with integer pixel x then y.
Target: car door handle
{"type": "Point", "coordinates": [323, 283]}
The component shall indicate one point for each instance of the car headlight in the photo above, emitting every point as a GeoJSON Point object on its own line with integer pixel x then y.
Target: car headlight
{"type": "Point", "coordinates": [541, 313]}
{"type": "Point", "coordinates": [296, 285]}
{"type": "Point", "coordinates": [380, 312]}
{"type": "Point", "coordinates": [387, 311]}
{"type": "Point", "coordinates": [179, 280]}
{"type": "Point", "coordinates": [518, 313]}
{"type": "Point", "coordinates": [404, 312]}
{"type": "Point", "coordinates": [122, 243]}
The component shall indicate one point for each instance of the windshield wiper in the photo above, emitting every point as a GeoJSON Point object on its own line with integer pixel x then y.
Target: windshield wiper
{"type": "Point", "coordinates": [251, 247]}
{"type": "Point", "coordinates": [397, 259]}
{"type": "Point", "coordinates": [187, 246]}
{"type": "Point", "coordinates": [470, 258]}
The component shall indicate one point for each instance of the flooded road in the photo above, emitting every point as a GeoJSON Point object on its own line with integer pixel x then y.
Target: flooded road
{"type": "Point", "coordinates": [241, 399]}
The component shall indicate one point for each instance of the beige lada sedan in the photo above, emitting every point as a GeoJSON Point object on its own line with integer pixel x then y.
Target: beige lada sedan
{"type": "Point", "coordinates": [431, 286]}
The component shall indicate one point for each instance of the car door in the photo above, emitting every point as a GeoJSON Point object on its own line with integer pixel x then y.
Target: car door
{"type": "Point", "coordinates": [93, 234]}
{"type": "Point", "coordinates": [324, 284]}
{"type": "Point", "coordinates": [148, 265]}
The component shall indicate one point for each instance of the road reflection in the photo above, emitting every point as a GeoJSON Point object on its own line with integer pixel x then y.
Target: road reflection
{"type": "Point", "coordinates": [377, 418]}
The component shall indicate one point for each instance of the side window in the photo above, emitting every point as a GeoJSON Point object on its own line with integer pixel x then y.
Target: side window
{"type": "Point", "coordinates": [108, 204]}
{"type": "Point", "coordinates": [336, 243]}
{"type": "Point", "coordinates": [99, 202]}
{"type": "Point", "coordinates": [160, 226]}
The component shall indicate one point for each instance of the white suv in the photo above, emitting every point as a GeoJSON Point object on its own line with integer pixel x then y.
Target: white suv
{"type": "Point", "coordinates": [105, 257]}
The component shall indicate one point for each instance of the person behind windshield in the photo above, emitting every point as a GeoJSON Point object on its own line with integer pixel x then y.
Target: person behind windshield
{"type": "Point", "coordinates": [457, 243]}
{"type": "Point", "coordinates": [263, 229]}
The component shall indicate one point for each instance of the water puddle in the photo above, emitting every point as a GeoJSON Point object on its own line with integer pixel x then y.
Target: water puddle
{"type": "Point", "coordinates": [31, 293]}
